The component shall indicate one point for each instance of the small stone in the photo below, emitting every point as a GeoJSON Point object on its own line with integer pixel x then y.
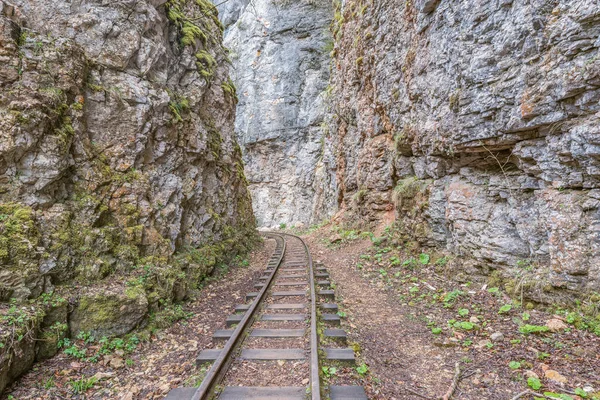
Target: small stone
{"type": "Point", "coordinates": [474, 320]}
{"type": "Point", "coordinates": [117, 362]}
{"type": "Point", "coordinates": [497, 337]}
{"type": "Point", "coordinates": [165, 388]}
{"type": "Point", "coordinates": [530, 374]}
{"type": "Point", "coordinates": [556, 325]}
{"type": "Point", "coordinates": [335, 239]}
{"type": "Point", "coordinates": [103, 375]}
{"type": "Point", "coordinates": [555, 376]}
{"type": "Point", "coordinates": [305, 381]}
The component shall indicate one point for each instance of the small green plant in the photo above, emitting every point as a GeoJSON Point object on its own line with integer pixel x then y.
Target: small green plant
{"type": "Point", "coordinates": [542, 356]}
{"type": "Point", "coordinates": [86, 337]}
{"type": "Point", "coordinates": [362, 369]}
{"type": "Point", "coordinates": [529, 329]}
{"type": "Point", "coordinates": [83, 384]}
{"type": "Point", "coordinates": [493, 290]}
{"type": "Point", "coordinates": [466, 325]}
{"type": "Point", "coordinates": [342, 314]}
{"type": "Point", "coordinates": [329, 371]}
{"type": "Point", "coordinates": [505, 308]}
{"type": "Point", "coordinates": [463, 312]}
{"type": "Point", "coordinates": [440, 262]}
{"type": "Point", "coordinates": [559, 396]}
{"type": "Point", "coordinates": [436, 330]}
{"type": "Point", "coordinates": [514, 365]}
{"type": "Point", "coordinates": [282, 226]}
{"type": "Point", "coordinates": [49, 383]}
{"type": "Point", "coordinates": [424, 258]}
{"type": "Point", "coordinates": [467, 343]}
{"type": "Point", "coordinates": [451, 297]}
{"type": "Point", "coordinates": [525, 316]}
{"type": "Point", "coordinates": [534, 383]}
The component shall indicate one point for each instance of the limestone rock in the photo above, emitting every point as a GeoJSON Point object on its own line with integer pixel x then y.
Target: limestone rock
{"type": "Point", "coordinates": [109, 312]}
{"type": "Point", "coordinates": [281, 69]}
{"type": "Point", "coordinates": [497, 337]}
{"type": "Point", "coordinates": [477, 124]}
{"type": "Point", "coordinates": [117, 140]}
{"type": "Point", "coordinates": [556, 325]}
{"type": "Point", "coordinates": [555, 376]}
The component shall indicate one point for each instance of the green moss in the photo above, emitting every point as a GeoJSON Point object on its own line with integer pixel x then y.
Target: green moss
{"type": "Point", "coordinates": [454, 101]}
{"type": "Point", "coordinates": [95, 88]}
{"type": "Point", "coordinates": [135, 292]}
{"type": "Point", "coordinates": [18, 234]}
{"type": "Point", "coordinates": [407, 188]}
{"type": "Point", "coordinates": [229, 89]}
{"type": "Point", "coordinates": [190, 33]}
{"type": "Point", "coordinates": [206, 65]}
{"type": "Point", "coordinates": [178, 106]}
{"type": "Point", "coordinates": [360, 196]}
{"type": "Point", "coordinates": [77, 106]}
{"type": "Point", "coordinates": [195, 20]}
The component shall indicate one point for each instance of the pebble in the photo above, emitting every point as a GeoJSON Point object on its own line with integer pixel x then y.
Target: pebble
{"type": "Point", "coordinates": [556, 325]}
{"type": "Point", "coordinates": [497, 336]}
{"type": "Point", "coordinates": [555, 376]}
{"type": "Point", "coordinates": [531, 374]}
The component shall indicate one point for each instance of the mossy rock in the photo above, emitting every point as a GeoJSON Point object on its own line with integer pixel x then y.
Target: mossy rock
{"type": "Point", "coordinates": [53, 328]}
{"type": "Point", "coordinates": [109, 311]}
{"type": "Point", "coordinates": [47, 344]}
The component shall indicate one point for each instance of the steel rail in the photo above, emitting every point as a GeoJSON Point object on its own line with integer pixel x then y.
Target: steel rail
{"type": "Point", "coordinates": [315, 382]}
{"type": "Point", "coordinates": [214, 374]}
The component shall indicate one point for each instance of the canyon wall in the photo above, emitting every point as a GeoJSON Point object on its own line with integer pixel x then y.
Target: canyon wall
{"type": "Point", "coordinates": [477, 124]}
{"type": "Point", "coordinates": [121, 182]}
{"type": "Point", "coordinates": [280, 54]}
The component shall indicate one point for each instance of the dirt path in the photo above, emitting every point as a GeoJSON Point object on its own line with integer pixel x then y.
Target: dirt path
{"type": "Point", "coordinates": [392, 312]}
{"type": "Point", "coordinates": [151, 370]}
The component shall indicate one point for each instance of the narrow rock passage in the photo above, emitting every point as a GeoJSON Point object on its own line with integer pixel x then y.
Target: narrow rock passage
{"type": "Point", "coordinates": [280, 348]}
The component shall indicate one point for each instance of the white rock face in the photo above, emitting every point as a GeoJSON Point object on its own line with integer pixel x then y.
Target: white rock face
{"type": "Point", "coordinates": [280, 53]}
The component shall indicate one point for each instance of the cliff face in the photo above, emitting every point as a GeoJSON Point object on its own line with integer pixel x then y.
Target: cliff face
{"type": "Point", "coordinates": [117, 151]}
{"type": "Point", "coordinates": [280, 54]}
{"type": "Point", "coordinates": [477, 124]}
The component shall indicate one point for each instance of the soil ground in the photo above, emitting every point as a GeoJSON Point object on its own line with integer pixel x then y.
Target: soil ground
{"type": "Point", "coordinates": [409, 325]}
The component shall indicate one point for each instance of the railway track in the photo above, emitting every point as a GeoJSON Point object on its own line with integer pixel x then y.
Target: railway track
{"type": "Point", "coordinates": [270, 347]}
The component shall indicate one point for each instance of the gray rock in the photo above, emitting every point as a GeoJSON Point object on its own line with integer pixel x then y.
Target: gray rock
{"type": "Point", "coordinates": [493, 104]}
{"type": "Point", "coordinates": [109, 312]}
{"type": "Point", "coordinates": [497, 337]}
{"type": "Point", "coordinates": [117, 142]}
{"type": "Point", "coordinates": [280, 53]}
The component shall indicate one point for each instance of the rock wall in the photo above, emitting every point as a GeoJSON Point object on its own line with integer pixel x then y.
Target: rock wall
{"type": "Point", "coordinates": [477, 124]}
{"type": "Point", "coordinates": [119, 168]}
{"type": "Point", "coordinates": [280, 53]}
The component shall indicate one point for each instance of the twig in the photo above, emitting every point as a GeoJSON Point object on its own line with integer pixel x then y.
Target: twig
{"type": "Point", "coordinates": [452, 388]}
{"type": "Point", "coordinates": [417, 394]}
{"type": "Point", "coordinates": [526, 392]}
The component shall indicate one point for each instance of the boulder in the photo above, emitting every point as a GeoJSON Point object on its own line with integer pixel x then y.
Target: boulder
{"type": "Point", "coordinates": [109, 312]}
